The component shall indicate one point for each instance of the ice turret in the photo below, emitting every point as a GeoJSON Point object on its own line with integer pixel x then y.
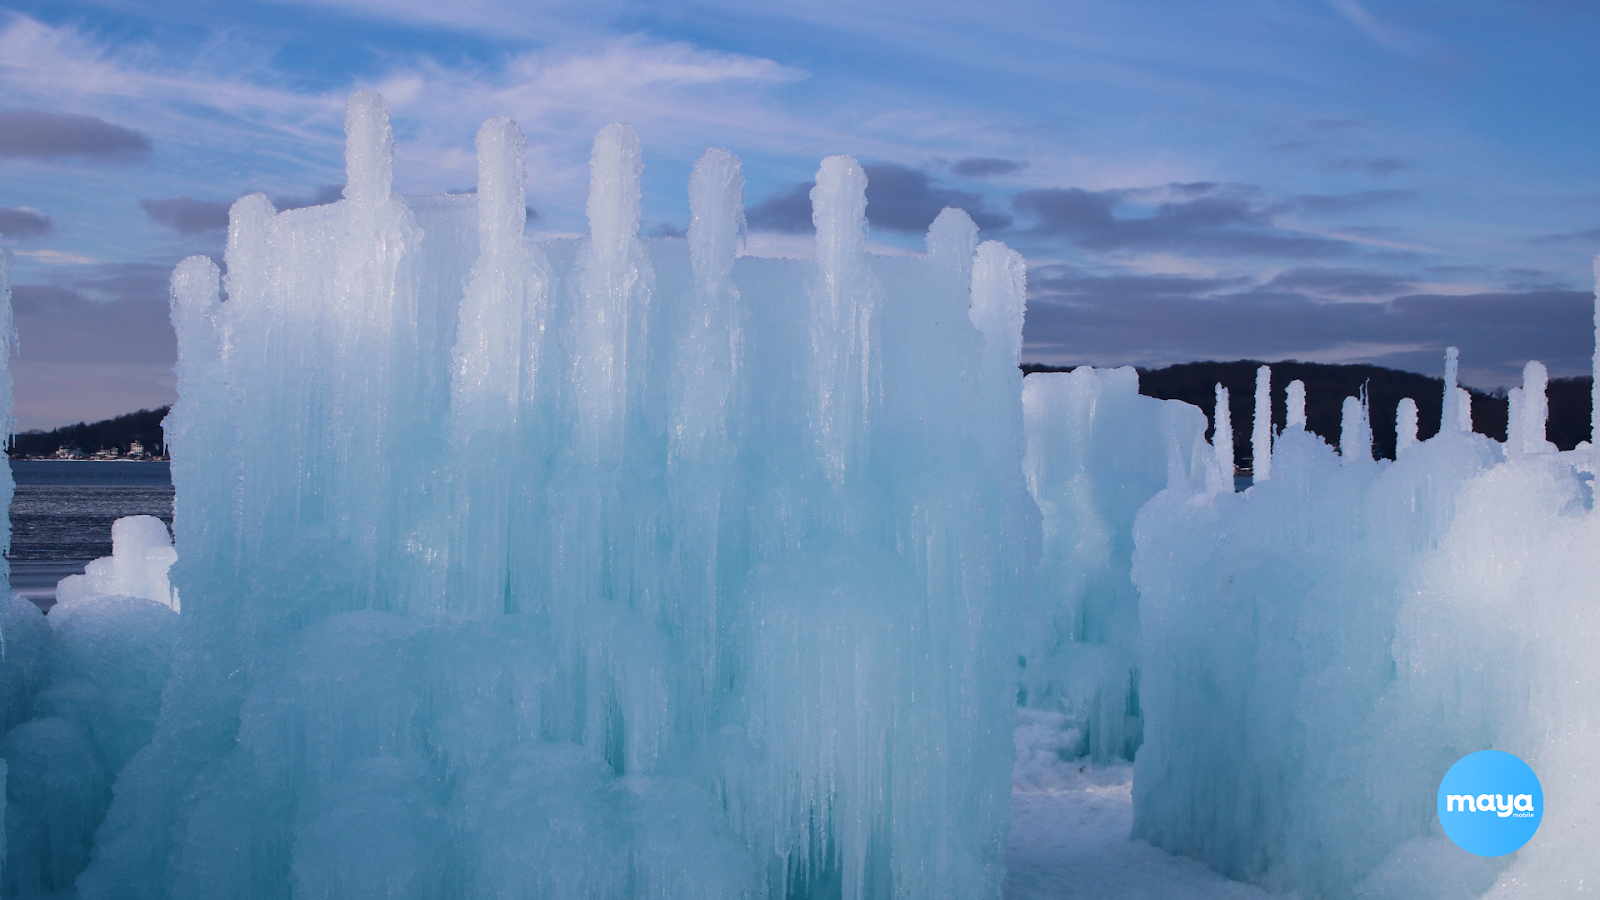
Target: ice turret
{"type": "Point", "coordinates": [1261, 428]}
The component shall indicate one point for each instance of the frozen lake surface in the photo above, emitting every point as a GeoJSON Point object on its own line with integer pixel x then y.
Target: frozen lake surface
{"type": "Point", "coordinates": [62, 512]}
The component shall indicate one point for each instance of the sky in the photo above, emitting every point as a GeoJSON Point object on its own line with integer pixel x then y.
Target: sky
{"type": "Point", "coordinates": [1322, 180]}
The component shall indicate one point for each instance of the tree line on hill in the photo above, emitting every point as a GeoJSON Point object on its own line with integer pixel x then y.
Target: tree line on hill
{"type": "Point", "coordinates": [119, 434]}
{"type": "Point", "coordinates": [1328, 384]}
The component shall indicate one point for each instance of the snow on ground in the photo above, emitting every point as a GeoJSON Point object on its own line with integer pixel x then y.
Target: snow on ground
{"type": "Point", "coordinates": [1069, 832]}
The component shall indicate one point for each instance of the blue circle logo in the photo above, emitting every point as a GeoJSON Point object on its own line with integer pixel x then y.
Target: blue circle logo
{"type": "Point", "coordinates": [1490, 803]}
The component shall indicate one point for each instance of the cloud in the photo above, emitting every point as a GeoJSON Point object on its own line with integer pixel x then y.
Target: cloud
{"type": "Point", "coordinates": [898, 199]}
{"type": "Point", "coordinates": [187, 215]}
{"type": "Point", "coordinates": [1373, 165]}
{"type": "Point", "coordinates": [1334, 204]}
{"type": "Point", "coordinates": [328, 193]}
{"type": "Point", "coordinates": [907, 200]}
{"type": "Point", "coordinates": [1591, 236]}
{"type": "Point", "coordinates": [1082, 317]}
{"type": "Point", "coordinates": [1340, 282]}
{"type": "Point", "coordinates": [786, 211]}
{"type": "Point", "coordinates": [19, 224]}
{"type": "Point", "coordinates": [1214, 221]}
{"type": "Point", "coordinates": [985, 166]}
{"type": "Point", "coordinates": [94, 345]}
{"type": "Point", "coordinates": [32, 134]}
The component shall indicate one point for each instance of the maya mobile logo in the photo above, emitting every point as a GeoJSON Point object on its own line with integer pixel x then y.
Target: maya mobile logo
{"type": "Point", "coordinates": [1490, 803]}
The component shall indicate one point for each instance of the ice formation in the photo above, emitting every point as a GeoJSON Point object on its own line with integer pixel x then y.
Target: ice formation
{"type": "Point", "coordinates": [141, 554]}
{"type": "Point", "coordinates": [1098, 450]}
{"type": "Point", "coordinates": [627, 568]}
{"type": "Point", "coordinates": [1319, 649]}
{"type": "Point", "coordinates": [588, 568]}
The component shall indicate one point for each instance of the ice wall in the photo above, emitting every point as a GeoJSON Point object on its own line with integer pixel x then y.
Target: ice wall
{"type": "Point", "coordinates": [597, 568]}
{"type": "Point", "coordinates": [1319, 649]}
{"type": "Point", "coordinates": [1097, 451]}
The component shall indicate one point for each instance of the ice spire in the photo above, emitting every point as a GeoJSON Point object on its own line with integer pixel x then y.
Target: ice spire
{"type": "Point", "coordinates": [1405, 425]}
{"type": "Point", "coordinates": [1535, 408]}
{"type": "Point", "coordinates": [1450, 415]}
{"type": "Point", "coordinates": [1294, 401]}
{"type": "Point", "coordinates": [1516, 422]}
{"type": "Point", "coordinates": [952, 238]}
{"type": "Point", "coordinates": [488, 346]}
{"type": "Point", "coordinates": [999, 291]}
{"type": "Point", "coordinates": [1222, 444]}
{"type": "Point", "coordinates": [1594, 391]}
{"type": "Point", "coordinates": [843, 319]}
{"type": "Point", "coordinates": [1261, 427]}
{"type": "Point", "coordinates": [610, 330]}
{"type": "Point", "coordinates": [712, 348]}
{"type": "Point", "coordinates": [368, 149]}
{"type": "Point", "coordinates": [1355, 431]}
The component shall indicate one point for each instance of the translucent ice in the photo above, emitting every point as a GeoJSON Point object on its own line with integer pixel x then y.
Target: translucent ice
{"type": "Point", "coordinates": [1318, 650]}
{"type": "Point", "coordinates": [1261, 428]}
{"type": "Point", "coordinates": [141, 554]}
{"type": "Point", "coordinates": [607, 567]}
{"type": "Point", "coordinates": [1098, 450]}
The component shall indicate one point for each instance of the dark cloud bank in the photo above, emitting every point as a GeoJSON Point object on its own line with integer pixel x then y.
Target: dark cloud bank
{"type": "Point", "coordinates": [1078, 316]}
{"type": "Point", "coordinates": [21, 224]}
{"type": "Point", "coordinates": [32, 134]}
{"type": "Point", "coordinates": [899, 199]}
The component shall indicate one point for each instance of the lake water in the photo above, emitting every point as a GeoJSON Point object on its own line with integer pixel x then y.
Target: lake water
{"type": "Point", "coordinates": [62, 512]}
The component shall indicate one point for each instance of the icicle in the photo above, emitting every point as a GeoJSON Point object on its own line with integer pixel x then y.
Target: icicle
{"type": "Point", "coordinates": [1261, 427]}
{"type": "Point", "coordinates": [1295, 403]}
{"type": "Point", "coordinates": [1405, 425]}
{"type": "Point", "coordinates": [1221, 480]}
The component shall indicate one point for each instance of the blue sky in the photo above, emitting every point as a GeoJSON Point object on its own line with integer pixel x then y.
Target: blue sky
{"type": "Point", "coordinates": [1330, 180]}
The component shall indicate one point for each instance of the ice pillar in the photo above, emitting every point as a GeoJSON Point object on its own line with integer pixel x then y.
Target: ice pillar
{"type": "Point", "coordinates": [999, 288]}
{"type": "Point", "coordinates": [1594, 392]}
{"type": "Point", "coordinates": [844, 380]}
{"type": "Point", "coordinates": [493, 372]}
{"type": "Point", "coordinates": [1355, 432]}
{"type": "Point", "coordinates": [1405, 425]}
{"type": "Point", "coordinates": [1261, 427]}
{"type": "Point", "coordinates": [1221, 480]}
{"type": "Point", "coordinates": [1294, 402]}
{"type": "Point", "coordinates": [1535, 409]}
{"type": "Point", "coordinates": [1456, 414]}
{"type": "Point", "coordinates": [612, 325]}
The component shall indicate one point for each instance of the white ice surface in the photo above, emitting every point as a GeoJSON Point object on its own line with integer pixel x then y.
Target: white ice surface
{"type": "Point", "coordinates": [1071, 840]}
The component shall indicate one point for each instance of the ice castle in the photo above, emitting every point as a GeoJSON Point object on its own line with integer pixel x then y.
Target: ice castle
{"type": "Point", "coordinates": [637, 568]}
